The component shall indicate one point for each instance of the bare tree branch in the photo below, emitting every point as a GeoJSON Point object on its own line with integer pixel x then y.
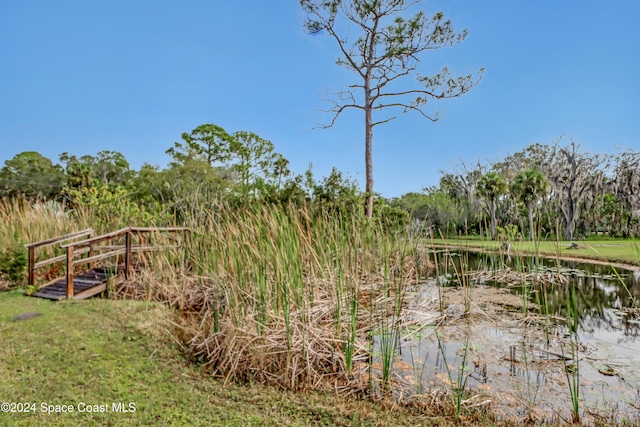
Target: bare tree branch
{"type": "Point", "coordinates": [383, 121]}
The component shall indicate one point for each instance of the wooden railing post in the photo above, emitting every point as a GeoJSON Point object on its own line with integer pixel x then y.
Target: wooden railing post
{"type": "Point", "coordinates": [90, 254]}
{"type": "Point", "coordinates": [127, 255]}
{"type": "Point", "coordinates": [69, 271]}
{"type": "Point", "coordinates": [32, 265]}
{"type": "Point", "coordinates": [91, 246]}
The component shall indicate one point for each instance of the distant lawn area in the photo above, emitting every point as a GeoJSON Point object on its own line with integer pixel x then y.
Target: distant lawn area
{"type": "Point", "coordinates": [100, 355]}
{"type": "Point", "coordinates": [623, 251]}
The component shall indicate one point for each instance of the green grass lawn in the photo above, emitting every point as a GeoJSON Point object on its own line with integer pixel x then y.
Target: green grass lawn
{"type": "Point", "coordinates": [614, 251]}
{"type": "Point", "coordinates": [101, 352]}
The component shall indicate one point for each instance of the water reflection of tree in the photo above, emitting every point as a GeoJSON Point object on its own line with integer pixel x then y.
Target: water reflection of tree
{"type": "Point", "coordinates": [600, 298]}
{"type": "Point", "coordinates": [602, 290]}
{"type": "Point", "coordinates": [598, 301]}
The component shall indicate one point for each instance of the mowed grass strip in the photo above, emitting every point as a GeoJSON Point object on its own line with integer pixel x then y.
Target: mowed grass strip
{"type": "Point", "coordinates": [101, 352]}
{"type": "Point", "coordinates": [622, 251]}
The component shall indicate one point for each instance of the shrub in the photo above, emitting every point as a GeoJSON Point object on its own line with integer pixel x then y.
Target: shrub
{"type": "Point", "coordinates": [13, 263]}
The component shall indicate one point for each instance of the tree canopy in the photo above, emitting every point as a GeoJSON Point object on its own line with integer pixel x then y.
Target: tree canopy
{"type": "Point", "coordinates": [32, 176]}
{"type": "Point", "coordinates": [571, 192]}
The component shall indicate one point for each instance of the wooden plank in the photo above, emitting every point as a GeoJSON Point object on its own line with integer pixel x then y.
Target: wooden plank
{"type": "Point", "coordinates": [82, 289]}
{"type": "Point", "coordinates": [101, 274]}
{"type": "Point", "coordinates": [159, 229]}
{"type": "Point", "coordinates": [140, 248]}
{"type": "Point", "coordinates": [91, 249]}
{"type": "Point", "coordinates": [61, 284]}
{"type": "Point", "coordinates": [49, 296]}
{"type": "Point", "coordinates": [61, 289]}
{"type": "Point", "coordinates": [86, 282]}
{"type": "Point", "coordinates": [51, 282]}
{"type": "Point", "coordinates": [53, 294]}
{"type": "Point", "coordinates": [91, 292]}
{"type": "Point", "coordinates": [98, 257]}
{"type": "Point", "coordinates": [53, 240]}
{"type": "Point", "coordinates": [55, 290]}
{"type": "Point", "coordinates": [153, 248]}
{"type": "Point", "coordinates": [127, 256]}
{"type": "Point", "coordinates": [77, 289]}
{"type": "Point", "coordinates": [108, 247]}
{"type": "Point", "coordinates": [32, 266]}
{"type": "Point", "coordinates": [59, 258]}
{"type": "Point", "coordinates": [98, 239]}
{"type": "Point", "coordinates": [70, 272]}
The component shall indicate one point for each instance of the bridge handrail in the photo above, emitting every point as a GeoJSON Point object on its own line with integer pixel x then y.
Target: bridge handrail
{"type": "Point", "coordinates": [32, 265]}
{"type": "Point", "coordinates": [127, 250]}
{"type": "Point", "coordinates": [122, 231]}
{"type": "Point", "coordinates": [48, 242]}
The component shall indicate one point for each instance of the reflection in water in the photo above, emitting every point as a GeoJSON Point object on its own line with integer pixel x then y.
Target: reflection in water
{"type": "Point", "coordinates": [528, 361]}
{"type": "Point", "coordinates": [606, 296]}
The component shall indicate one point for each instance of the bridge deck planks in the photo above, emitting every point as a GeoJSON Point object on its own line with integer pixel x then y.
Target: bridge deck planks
{"type": "Point", "coordinates": [85, 284]}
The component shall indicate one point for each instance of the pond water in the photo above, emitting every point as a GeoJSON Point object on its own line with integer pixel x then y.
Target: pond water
{"type": "Point", "coordinates": [503, 330]}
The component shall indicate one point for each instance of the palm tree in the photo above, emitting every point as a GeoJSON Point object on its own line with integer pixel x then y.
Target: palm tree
{"type": "Point", "coordinates": [491, 186]}
{"type": "Point", "coordinates": [529, 186]}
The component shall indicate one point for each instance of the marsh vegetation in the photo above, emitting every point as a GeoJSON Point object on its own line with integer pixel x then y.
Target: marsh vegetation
{"type": "Point", "coordinates": [311, 300]}
{"type": "Point", "coordinates": [283, 281]}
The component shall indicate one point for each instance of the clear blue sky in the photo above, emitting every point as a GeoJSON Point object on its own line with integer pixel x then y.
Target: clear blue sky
{"type": "Point", "coordinates": [83, 76]}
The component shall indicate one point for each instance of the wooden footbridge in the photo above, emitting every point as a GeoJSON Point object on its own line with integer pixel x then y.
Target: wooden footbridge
{"type": "Point", "coordinates": [93, 253]}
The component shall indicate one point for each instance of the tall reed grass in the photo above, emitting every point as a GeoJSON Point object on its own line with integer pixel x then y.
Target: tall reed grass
{"type": "Point", "coordinates": [23, 222]}
{"type": "Point", "coordinates": [281, 295]}
{"type": "Point", "coordinates": [287, 296]}
{"type": "Point", "coordinates": [27, 222]}
{"type": "Point", "coordinates": [572, 371]}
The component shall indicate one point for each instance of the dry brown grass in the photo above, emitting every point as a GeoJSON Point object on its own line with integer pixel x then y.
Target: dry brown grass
{"type": "Point", "coordinates": [516, 278]}
{"type": "Point", "coordinates": [282, 299]}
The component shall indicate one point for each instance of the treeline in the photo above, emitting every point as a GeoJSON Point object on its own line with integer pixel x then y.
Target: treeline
{"type": "Point", "coordinates": [208, 167]}
{"type": "Point", "coordinates": [550, 191]}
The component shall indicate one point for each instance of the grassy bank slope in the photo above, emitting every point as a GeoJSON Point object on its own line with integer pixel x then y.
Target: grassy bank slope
{"type": "Point", "coordinates": [612, 251]}
{"type": "Point", "coordinates": [99, 352]}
